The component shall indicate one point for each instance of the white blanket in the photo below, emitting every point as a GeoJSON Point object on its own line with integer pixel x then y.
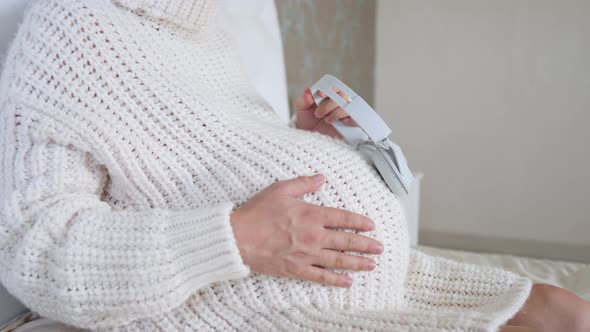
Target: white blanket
{"type": "Point", "coordinates": [572, 276]}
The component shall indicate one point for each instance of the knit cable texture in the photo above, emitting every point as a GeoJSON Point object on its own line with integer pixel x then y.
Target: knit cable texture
{"type": "Point", "coordinates": [129, 133]}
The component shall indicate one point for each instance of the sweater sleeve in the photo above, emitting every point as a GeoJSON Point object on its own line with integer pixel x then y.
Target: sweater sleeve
{"type": "Point", "coordinates": [293, 120]}
{"type": "Point", "coordinates": [69, 256]}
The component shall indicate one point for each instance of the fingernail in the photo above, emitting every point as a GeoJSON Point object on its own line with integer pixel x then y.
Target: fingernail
{"type": "Point", "coordinates": [317, 178]}
{"type": "Point", "coordinates": [378, 248]}
{"type": "Point", "coordinates": [347, 281]}
{"type": "Point", "coordinates": [371, 224]}
{"type": "Point", "coordinates": [371, 265]}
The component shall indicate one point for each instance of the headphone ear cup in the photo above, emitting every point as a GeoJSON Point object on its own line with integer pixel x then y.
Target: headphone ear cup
{"type": "Point", "coordinates": [385, 167]}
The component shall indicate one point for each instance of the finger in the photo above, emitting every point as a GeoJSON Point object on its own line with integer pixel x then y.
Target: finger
{"type": "Point", "coordinates": [350, 122]}
{"type": "Point", "coordinates": [513, 328]}
{"type": "Point", "coordinates": [339, 218]}
{"type": "Point", "coordinates": [326, 277]}
{"type": "Point", "coordinates": [336, 114]}
{"type": "Point", "coordinates": [325, 107]}
{"type": "Point", "coordinates": [338, 91]}
{"type": "Point", "coordinates": [309, 98]}
{"type": "Point", "coordinates": [342, 94]}
{"type": "Point", "coordinates": [299, 186]}
{"type": "Point", "coordinates": [336, 260]}
{"type": "Point", "coordinates": [305, 101]}
{"type": "Point", "coordinates": [339, 240]}
{"type": "Point", "coordinates": [329, 105]}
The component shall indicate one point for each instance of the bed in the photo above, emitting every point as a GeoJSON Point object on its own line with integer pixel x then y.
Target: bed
{"type": "Point", "coordinates": [568, 275]}
{"type": "Point", "coordinates": [258, 18]}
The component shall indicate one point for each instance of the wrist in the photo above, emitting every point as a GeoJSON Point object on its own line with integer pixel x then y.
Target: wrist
{"type": "Point", "coordinates": [235, 218]}
{"type": "Point", "coordinates": [293, 123]}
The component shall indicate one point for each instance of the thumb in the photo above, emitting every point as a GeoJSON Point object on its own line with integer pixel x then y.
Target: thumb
{"type": "Point", "coordinates": [304, 102]}
{"type": "Point", "coordinates": [302, 185]}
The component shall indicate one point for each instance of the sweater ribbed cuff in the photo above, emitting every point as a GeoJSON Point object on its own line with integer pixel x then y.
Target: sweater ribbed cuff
{"type": "Point", "coordinates": [205, 246]}
{"type": "Point", "coordinates": [293, 120]}
{"type": "Point", "coordinates": [158, 258]}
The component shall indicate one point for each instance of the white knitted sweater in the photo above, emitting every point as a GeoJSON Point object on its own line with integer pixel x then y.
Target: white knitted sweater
{"type": "Point", "coordinates": [129, 132]}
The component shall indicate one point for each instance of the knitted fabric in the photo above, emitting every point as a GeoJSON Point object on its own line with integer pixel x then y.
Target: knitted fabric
{"type": "Point", "coordinates": [129, 133]}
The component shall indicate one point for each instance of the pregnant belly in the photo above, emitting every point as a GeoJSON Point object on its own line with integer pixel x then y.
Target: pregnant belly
{"type": "Point", "coordinates": [351, 184]}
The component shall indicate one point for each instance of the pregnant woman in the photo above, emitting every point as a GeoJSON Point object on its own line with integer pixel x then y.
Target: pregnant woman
{"type": "Point", "coordinates": [147, 187]}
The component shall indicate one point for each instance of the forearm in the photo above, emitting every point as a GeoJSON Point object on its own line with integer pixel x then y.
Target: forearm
{"type": "Point", "coordinates": [92, 267]}
{"type": "Point", "coordinates": [70, 256]}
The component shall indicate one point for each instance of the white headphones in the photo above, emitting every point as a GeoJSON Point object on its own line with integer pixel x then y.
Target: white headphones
{"type": "Point", "coordinates": [370, 137]}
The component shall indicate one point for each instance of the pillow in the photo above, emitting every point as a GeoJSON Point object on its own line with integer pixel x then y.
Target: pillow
{"type": "Point", "coordinates": [254, 26]}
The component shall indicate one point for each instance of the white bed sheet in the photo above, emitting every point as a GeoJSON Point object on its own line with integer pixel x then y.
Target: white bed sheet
{"type": "Point", "coordinates": [569, 275]}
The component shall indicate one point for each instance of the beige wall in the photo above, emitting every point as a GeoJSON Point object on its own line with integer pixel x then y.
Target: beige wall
{"type": "Point", "coordinates": [328, 36]}
{"type": "Point", "coordinates": [491, 100]}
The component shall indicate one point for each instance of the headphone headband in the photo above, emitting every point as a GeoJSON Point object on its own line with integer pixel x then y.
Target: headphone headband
{"type": "Point", "coordinates": [371, 126]}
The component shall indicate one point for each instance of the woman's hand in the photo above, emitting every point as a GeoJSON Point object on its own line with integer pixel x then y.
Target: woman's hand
{"type": "Point", "coordinates": [320, 118]}
{"type": "Point", "coordinates": [279, 234]}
